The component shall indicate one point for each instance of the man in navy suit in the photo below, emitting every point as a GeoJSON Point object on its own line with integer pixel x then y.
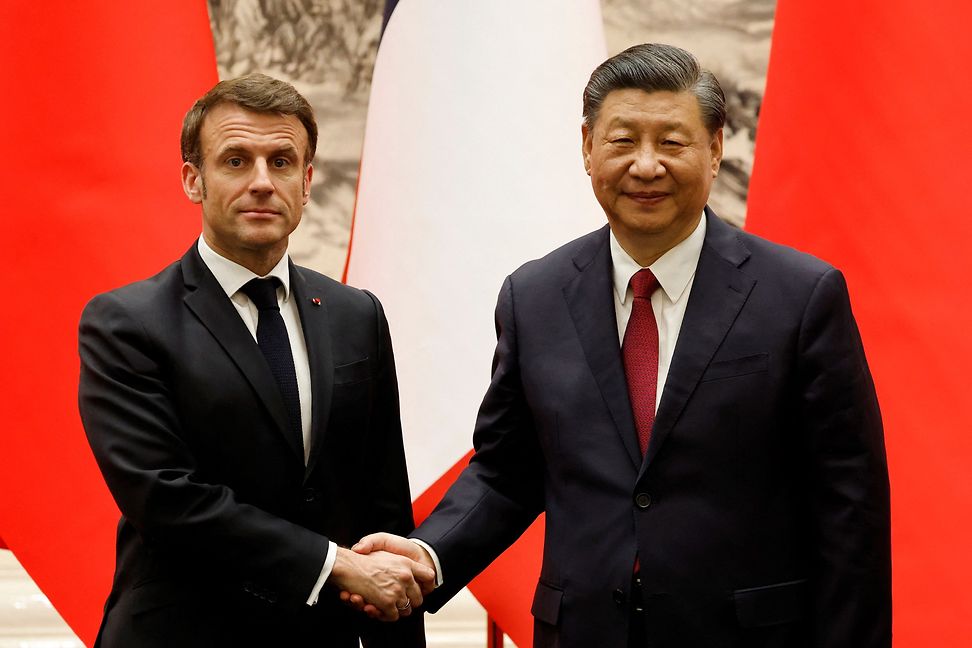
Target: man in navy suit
{"type": "Point", "coordinates": [689, 404]}
{"type": "Point", "coordinates": [236, 403]}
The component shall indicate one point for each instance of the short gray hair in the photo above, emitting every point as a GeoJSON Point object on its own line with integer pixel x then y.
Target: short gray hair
{"type": "Point", "coordinates": [653, 67]}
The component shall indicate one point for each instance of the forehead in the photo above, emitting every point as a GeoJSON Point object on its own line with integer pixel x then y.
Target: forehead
{"type": "Point", "coordinates": [229, 125]}
{"type": "Point", "coordinates": [634, 107]}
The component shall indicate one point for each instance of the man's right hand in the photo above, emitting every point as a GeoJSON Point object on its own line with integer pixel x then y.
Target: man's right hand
{"type": "Point", "coordinates": [388, 586]}
{"type": "Point", "coordinates": [389, 543]}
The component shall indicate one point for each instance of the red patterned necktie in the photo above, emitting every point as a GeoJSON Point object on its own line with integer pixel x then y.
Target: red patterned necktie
{"type": "Point", "coordinates": [640, 353]}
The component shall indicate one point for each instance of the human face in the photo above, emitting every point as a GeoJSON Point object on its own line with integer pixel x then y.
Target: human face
{"type": "Point", "coordinates": [652, 162]}
{"type": "Point", "coordinates": [253, 183]}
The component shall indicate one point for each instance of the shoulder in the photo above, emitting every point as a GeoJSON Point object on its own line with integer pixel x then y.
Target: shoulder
{"type": "Point", "coordinates": [339, 297]}
{"type": "Point", "coordinates": [785, 278]}
{"type": "Point", "coordinates": [565, 261]}
{"type": "Point", "coordinates": [145, 296]}
{"type": "Point", "coordinates": [760, 258]}
{"type": "Point", "coordinates": [779, 257]}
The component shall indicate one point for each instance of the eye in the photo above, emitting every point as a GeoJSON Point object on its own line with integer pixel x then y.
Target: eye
{"type": "Point", "coordinates": [281, 162]}
{"type": "Point", "coordinates": [235, 162]}
{"type": "Point", "coordinates": [671, 142]}
{"type": "Point", "coordinates": [622, 140]}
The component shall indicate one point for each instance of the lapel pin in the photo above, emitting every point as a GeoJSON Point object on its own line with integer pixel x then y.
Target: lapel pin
{"type": "Point", "coordinates": [316, 301]}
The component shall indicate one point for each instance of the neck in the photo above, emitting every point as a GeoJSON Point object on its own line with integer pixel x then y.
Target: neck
{"type": "Point", "coordinates": [645, 252]}
{"type": "Point", "coordinates": [260, 262]}
{"type": "Point", "coordinates": [646, 248]}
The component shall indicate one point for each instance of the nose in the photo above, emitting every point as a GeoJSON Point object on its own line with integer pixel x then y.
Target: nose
{"type": "Point", "coordinates": [260, 181]}
{"type": "Point", "coordinates": [647, 164]}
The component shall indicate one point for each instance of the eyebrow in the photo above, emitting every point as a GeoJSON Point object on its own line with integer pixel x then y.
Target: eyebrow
{"type": "Point", "coordinates": [287, 150]}
{"type": "Point", "coordinates": [620, 122]}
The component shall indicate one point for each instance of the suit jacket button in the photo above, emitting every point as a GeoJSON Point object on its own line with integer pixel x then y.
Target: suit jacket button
{"type": "Point", "coordinates": [619, 597]}
{"type": "Point", "coordinates": [310, 495]}
{"type": "Point", "coordinates": [643, 500]}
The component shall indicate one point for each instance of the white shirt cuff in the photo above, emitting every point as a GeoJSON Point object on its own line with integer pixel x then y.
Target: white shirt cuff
{"type": "Point", "coordinates": [325, 572]}
{"type": "Point", "coordinates": [435, 560]}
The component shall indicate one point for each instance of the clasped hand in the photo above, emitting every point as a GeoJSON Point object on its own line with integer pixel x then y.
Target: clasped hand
{"type": "Point", "coordinates": [384, 575]}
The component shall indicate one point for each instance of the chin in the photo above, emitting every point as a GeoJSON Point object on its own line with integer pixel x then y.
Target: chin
{"type": "Point", "coordinates": [647, 225]}
{"type": "Point", "coordinates": [265, 238]}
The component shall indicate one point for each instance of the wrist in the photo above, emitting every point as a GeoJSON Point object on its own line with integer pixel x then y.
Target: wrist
{"type": "Point", "coordinates": [424, 556]}
{"type": "Point", "coordinates": [344, 566]}
{"type": "Point", "coordinates": [429, 559]}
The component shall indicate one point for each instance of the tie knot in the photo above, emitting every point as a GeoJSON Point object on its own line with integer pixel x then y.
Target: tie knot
{"type": "Point", "coordinates": [643, 283]}
{"type": "Point", "coordinates": [262, 292]}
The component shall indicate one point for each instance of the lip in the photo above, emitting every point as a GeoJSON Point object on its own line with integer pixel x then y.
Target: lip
{"type": "Point", "coordinates": [647, 197]}
{"type": "Point", "coordinates": [259, 213]}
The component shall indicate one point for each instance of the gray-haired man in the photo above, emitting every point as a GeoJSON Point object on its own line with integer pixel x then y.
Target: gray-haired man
{"type": "Point", "coordinates": [689, 404]}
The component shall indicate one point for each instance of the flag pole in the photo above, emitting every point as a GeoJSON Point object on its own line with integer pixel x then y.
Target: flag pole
{"type": "Point", "coordinates": [494, 634]}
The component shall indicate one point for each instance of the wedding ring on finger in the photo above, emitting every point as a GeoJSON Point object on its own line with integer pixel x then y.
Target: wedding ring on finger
{"type": "Point", "coordinates": [402, 608]}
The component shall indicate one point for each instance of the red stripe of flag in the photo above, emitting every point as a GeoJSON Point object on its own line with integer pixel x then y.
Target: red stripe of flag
{"type": "Point", "coordinates": [863, 159]}
{"type": "Point", "coordinates": [94, 97]}
{"type": "Point", "coordinates": [505, 588]}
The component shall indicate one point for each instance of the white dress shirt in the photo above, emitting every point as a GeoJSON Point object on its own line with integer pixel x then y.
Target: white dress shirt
{"type": "Point", "coordinates": [675, 272]}
{"type": "Point", "coordinates": [231, 277]}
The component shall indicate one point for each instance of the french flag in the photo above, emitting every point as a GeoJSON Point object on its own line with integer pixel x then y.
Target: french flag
{"type": "Point", "coordinates": [471, 166]}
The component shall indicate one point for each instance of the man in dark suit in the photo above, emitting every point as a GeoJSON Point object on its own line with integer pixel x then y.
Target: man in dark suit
{"type": "Point", "coordinates": [244, 412]}
{"type": "Point", "coordinates": [689, 404]}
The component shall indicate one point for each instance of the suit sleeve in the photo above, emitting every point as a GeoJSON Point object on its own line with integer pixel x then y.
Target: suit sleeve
{"type": "Point", "coordinates": [150, 468]}
{"type": "Point", "coordinates": [389, 502]}
{"type": "Point", "coordinates": [848, 476]}
{"type": "Point", "coordinates": [500, 492]}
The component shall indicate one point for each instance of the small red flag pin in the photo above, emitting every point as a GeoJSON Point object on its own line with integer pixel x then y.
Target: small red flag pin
{"type": "Point", "coordinates": [316, 301]}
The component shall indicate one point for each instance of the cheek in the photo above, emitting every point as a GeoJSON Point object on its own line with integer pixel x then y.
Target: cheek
{"type": "Point", "coordinates": [605, 178]}
{"type": "Point", "coordinates": [296, 189]}
{"type": "Point", "coordinates": [602, 187]}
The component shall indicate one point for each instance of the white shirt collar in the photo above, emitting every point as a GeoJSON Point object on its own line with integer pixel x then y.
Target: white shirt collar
{"type": "Point", "coordinates": [674, 269]}
{"type": "Point", "coordinates": [231, 276]}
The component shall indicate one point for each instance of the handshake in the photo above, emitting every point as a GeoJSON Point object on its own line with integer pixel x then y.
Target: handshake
{"type": "Point", "coordinates": [383, 575]}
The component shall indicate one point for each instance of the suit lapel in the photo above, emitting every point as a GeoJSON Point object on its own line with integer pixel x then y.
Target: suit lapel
{"type": "Point", "coordinates": [210, 304]}
{"type": "Point", "coordinates": [719, 292]}
{"type": "Point", "coordinates": [317, 336]}
{"type": "Point", "coordinates": [591, 306]}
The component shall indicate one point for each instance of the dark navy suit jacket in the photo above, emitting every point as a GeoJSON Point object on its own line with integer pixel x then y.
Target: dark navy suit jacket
{"type": "Point", "coordinates": [760, 514]}
{"type": "Point", "coordinates": [224, 530]}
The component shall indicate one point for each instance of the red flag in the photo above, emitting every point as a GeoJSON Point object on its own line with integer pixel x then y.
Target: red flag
{"type": "Point", "coordinates": [862, 159]}
{"type": "Point", "coordinates": [94, 97]}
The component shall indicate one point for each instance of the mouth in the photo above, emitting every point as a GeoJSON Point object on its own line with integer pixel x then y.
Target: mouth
{"type": "Point", "coordinates": [647, 197]}
{"type": "Point", "coordinates": [259, 212]}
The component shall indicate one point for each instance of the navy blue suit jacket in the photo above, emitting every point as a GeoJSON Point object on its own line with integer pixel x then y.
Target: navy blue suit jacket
{"type": "Point", "coordinates": [760, 513]}
{"type": "Point", "coordinates": [224, 530]}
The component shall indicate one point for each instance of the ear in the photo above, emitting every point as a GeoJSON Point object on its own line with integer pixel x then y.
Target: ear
{"type": "Point", "coordinates": [307, 182]}
{"type": "Point", "coordinates": [715, 148]}
{"type": "Point", "coordinates": [192, 182]}
{"type": "Point", "coordinates": [587, 143]}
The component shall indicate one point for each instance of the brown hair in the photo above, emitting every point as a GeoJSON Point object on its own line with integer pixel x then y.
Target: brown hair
{"type": "Point", "coordinates": [257, 92]}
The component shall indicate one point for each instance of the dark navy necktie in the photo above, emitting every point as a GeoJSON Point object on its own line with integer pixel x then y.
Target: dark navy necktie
{"type": "Point", "coordinates": [275, 345]}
